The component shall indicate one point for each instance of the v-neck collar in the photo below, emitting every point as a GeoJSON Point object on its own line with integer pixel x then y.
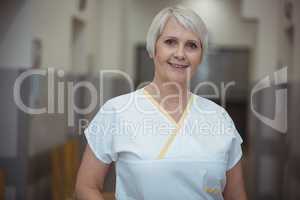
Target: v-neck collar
{"type": "Point", "coordinates": [164, 112]}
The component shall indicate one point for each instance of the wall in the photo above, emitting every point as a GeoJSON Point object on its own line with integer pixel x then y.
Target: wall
{"type": "Point", "coordinates": [225, 23]}
{"type": "Point", "coordinates": [266, 46]}
{"type": "Point", "coordinates": [295, 73]}
{"type": "Point", "coordinates": [111, 40]}
{"type": "Point", "coordinates": [292, 179]}
{"type": "Point", "coordinates": [52, 24]}
{"type": "Point", "coordinates": [15, 33]}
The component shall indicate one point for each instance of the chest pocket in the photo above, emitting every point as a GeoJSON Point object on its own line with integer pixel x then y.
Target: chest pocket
{"type": "Point", "coordinates": [215, 179]}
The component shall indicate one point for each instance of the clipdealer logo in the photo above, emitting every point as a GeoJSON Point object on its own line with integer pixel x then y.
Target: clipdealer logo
{"type": "Point", "coordinates": [60, 93]}
{"type": "Point", "coordinates": [279, 123]}
{"type": "Point", "coordinates": [56, 101]}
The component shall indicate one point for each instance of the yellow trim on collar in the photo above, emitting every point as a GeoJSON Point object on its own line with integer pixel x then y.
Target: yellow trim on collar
{"type": "Point", "coordinates": [178, 125]}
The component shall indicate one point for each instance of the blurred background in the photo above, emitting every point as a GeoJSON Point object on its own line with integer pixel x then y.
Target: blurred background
{"type": "Point", "coordinates": [255, 43]}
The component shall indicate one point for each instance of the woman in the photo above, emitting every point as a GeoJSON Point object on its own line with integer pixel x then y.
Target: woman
{"type": "Point", "coordinates": [167, 142]}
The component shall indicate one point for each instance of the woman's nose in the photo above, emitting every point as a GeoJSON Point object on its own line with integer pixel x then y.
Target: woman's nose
{"type": "Point", "coordinates": [179, 53]}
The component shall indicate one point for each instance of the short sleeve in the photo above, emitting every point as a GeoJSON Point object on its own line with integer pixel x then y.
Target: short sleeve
{"type": "Point", "coordinates": [100, 134]}
{"type": "Point", "coordinates": [235, 150]}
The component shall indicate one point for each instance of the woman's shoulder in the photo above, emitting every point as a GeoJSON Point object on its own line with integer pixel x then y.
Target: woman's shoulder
{"type": "Point", "coordinates": [216, 113]}
{"type": "Point", "coordinates": [204, 104]}
{"type": "Point", "coordinates": [123, 101]}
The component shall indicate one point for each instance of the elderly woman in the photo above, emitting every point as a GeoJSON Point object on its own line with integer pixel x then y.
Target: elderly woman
{"type": "Point", "coordinates": [166, 142]}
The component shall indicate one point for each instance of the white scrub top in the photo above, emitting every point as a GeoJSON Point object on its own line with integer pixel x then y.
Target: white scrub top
{"type": "Point", "coordinates": [157, 158]}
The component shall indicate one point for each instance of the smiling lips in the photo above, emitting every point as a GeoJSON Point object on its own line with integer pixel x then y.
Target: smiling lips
{"type": "Point", "coordinates": [176, 65]}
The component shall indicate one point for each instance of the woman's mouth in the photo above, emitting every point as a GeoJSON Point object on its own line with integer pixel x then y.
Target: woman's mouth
{"type": "Point", "coordinates": [178, 66]}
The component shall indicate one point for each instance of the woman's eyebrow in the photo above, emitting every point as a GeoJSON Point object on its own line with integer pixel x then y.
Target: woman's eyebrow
{"type": "Point", "coordinates": [174, 37]}
{"type": "Point", "coordinates": [169, 36]}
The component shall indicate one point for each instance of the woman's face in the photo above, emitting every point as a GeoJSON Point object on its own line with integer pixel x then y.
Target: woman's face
{"type": "Point", "coordinates": [177, 53]}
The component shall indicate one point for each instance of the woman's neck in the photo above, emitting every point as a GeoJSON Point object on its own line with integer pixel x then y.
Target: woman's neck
{"type": "Point", "coordinates": [172, 93]}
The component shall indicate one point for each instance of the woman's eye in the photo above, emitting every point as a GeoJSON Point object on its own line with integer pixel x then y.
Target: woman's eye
{"type": "Point", "coordinates": [170, 42]}
{"type": "Point", "coordinates": [192, 45]}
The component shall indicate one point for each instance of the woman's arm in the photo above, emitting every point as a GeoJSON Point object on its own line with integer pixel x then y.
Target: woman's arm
{"type": "Point", "coordinates": [235, 189]}
{"type": "Point", "coordinates": [90, 177]}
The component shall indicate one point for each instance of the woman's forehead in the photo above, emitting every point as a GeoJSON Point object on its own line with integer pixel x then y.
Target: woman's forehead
{"type": "Point", "coordinates": [173, 28]}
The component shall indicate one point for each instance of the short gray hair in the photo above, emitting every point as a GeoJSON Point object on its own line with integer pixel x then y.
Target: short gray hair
{"type": "Point", "coordinates": [185, 16]}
